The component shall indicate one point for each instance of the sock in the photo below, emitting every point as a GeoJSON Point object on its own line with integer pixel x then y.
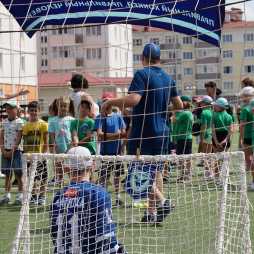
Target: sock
{"type": "Point", "coordinates": [162, 203]}
{"type": "Point", "coordinates": [20, 195]}
{"type": "Point", "coordinates": [8, 195]}
{"type": "Point", "coordinates": [117, 196]}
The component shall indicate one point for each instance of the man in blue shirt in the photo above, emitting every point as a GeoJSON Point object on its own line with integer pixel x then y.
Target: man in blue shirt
{"type": "Point", "coordinates": [150, 94]}
{"type": "Point", "coordinates": [80, 216]}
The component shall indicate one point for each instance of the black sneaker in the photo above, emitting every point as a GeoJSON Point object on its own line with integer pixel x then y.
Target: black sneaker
{"type": "Point", "coordinates": [148, 217]}
{"type": "Point", "coordinates": [163, 211]}
{"type": "Point", "coordinates": [15, 182]}
{"type": "Point", "coordinates": [201, 165]}
{"type": "Point", "coordinates": [119, 202]}
{"type": "Point", "coordinates": [123, 181]}
{"type": "Point", "coordinates": [33, 200]}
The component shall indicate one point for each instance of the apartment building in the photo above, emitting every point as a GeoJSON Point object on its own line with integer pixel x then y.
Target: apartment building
{"type": "Point", "coordinates": [104, 51]}
{"type": "Point", "coordinates": [192, 62]}
{"type": "Point", "coordinates": [17, 59]}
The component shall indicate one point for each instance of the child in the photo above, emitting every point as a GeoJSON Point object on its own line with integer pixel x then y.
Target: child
{"type": "Point", "coordinates": [51, 115]}
{"type": "Point", "coordinates": [246, 117]}
{"type": "Point", "coordinates": [35, 134]}
{"type": "Point", "coordinates": [85, 225]}
{"type": "Point", "coordinates": [115, 131]}
{"type": "Point", "coordinates": [11, 133]}
{"type": "Point", "coordinates": [222, 128]}
{"type": "Point", "coordinates": [82, 129]}
{"type": "Point", "coordinates": [206, 144]}
{"type": "Point", "coordinates": [184, 143]}
{"type": "Point", "coordinates": [59, 129]}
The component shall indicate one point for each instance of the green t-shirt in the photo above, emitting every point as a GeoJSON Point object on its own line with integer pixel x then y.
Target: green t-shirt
{"type": "Point", "coordinates": [248, 117]}
{"type": "Point", "coordinates": [171, 137]}
{"type": "Point", "coordinates": [50, 142]}
{"type": "Point", "coordinates": [175, 126]}
{"type": "Point", "coordinates": [185, 122]}
{"type": "Point", "coordinates": [22, 139]}
{"type": "Point", "coordinates": [82, 128]}
{"type": "Point", "coordinates": [206, 118]}
{"type": "Point", "coordinates": [222, 121]}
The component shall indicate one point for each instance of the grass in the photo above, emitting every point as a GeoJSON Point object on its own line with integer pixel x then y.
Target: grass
{"type": "Point", "coordinates": [190, 228]}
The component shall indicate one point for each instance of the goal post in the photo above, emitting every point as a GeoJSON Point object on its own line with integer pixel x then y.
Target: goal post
{"type": "Point", "coordinates": [207, 218]}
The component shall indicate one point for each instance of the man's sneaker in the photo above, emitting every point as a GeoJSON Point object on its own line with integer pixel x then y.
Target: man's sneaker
{"type": "Point", "coordinates": [251, 186]}
{"type": "Point", "coordinates": [2, 176]}
{"type": "Point", "coordinates": [119, 202]}
{"type": "Point", "coordinates": [148, 217]}
{"type": "Point", "coordinates": [5, 200]}
{"type": "Point", "coordinates": [18, 201]}
{"type": "Point", "coordinates": [163, 211]}
{"type": "Point", "coordinates": [41, 200]}
{"type": "Point", "coordinates": [208, 176]}
{"type": "Point", "coordinates": [201, 165]}
{"type": "Point", "coordinates": [183, 179]}
{"type": "Point", "coordinates": [15, 182]}
{"type": "Point", "coordinates": [53, 182]}
{"type": "Point", "coordinates": [33, 200]}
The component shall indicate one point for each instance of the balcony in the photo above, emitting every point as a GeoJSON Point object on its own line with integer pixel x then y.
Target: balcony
{"type": "Point", "coordinates": [78, 38]}
{"type": "Point", "coordinates": [170, 46]}
{"type": "Point", "coordinates": [170, 61]}
{"type": "Point", "coordinates": [179, 76]}
{"type": "Point", "coordinates": [210, 76]}
{"type": "Point", "coordinates": [79, 62]}
{"type": "Point", "coordinates": [202, 44]}
{"type": "Point", "coordinates": [201, 92]}
{"type": "Point", "coordinates": [208, 60]}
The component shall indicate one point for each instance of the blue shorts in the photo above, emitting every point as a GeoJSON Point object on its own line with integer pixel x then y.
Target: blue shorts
{"type": "Point", "coordinates": [184, 146]}
{"type": "Point", "coordinates": [13, 163]}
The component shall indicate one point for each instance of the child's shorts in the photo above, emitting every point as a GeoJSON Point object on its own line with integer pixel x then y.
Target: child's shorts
{"type": "Point", "coordinates": [221, 135]}
{"type": "Point", "coordinates": [208, 141]}
{"type": "Point", "coordinates": [247, 141]}
{"type": "Point", "coordinates": [184, 146]}
{"type": "Point", "coordinates": [13, 163]}
{"type": "Point", "coordinates": [41, 170]}
{"type": "Point", "coordinates": [173, 147]}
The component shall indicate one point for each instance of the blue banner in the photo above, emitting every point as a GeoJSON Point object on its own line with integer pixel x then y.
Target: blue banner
{"type": "Point", "coordinates": [170, 15]}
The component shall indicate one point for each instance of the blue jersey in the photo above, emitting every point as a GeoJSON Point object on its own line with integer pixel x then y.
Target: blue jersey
{"type": "Point", "coordinates": [81, 220]}
{"type": "Point", "coordinates": [150, 121]}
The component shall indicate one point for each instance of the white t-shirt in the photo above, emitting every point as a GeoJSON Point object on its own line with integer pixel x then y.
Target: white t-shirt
{"type": "Point", "coordinates": [76, 96]}
{"type": "Point", "coordinates": [11, 129]}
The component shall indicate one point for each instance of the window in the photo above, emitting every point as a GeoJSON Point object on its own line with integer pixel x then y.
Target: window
{"type": "Point", "coordinates": [93, 31]}
{"type": "Point", "coordinates": [155, 41]}
{"type": "Point", "coordinates": [187, 40]}
{"type": "Point", "coordinates": [227, 54]}
{"type": "Point", "coordinates": [249, 53]}
{"type": "Point", "coordinates": [228, 86]}
{"type": "Point", "coordinates": [93, 53]}
{"type": "Point", "coordinates": [44, 39]}
{"type": "Point", "coordinates": [98, 73]}
{"type": "Point", "coordinates": [65, 52]}
{"type": "Point", "coordinates": [116, 74]}
{"type": "Point", "coordinates": [135, 70]}
{"type": "Point", "coordinates": [227, 69]}
{"type": "Point", "coordinates": [23, 63]}
{"type": "Point", "coordinates": [137, 42]}
{"type": "Point", "coordinates": [44, 71]}
{"type": "Point", "coordinates": [187, 55]}
{"type": "Point", "coordinates": [171, 54]}
{"type": "Point", "coordinates": [171, 70]}
{"type": "Point", "coordinates": [116, 54]}
{"type": "Point", "coordinates": [188, 87]}
{"type": "Point", "coordinates": [23, 99]}
{"type": "Point", "coordinates": [203, 69]}
{"type": "Point", "coordinates": [44, 63]}
{"type": "Point", "coordinates": [188, 71]}
{"type": "Point", "coordinates": [248, 68]}
{"type": "Point", "coordinates": [248, 37]}
{"type": "Point", "coordinates": [137, 58]}
{"type": "Point", "coordinates": [1, 93]}
{"type": "Point", "coordinates": [44, 51]}
{"type": "Point", "coordinates": [59, 30]}
{"type": "Point", "coordinates": [1, 61]}
{"type": "Point", "coordinates": [227, 38]}
{"type": "Point", "coordinates": [206, 52]}
{"type": "Point", "coordinates": [201, 86]}
{"type": "Point", "coordinates": [171, 39]}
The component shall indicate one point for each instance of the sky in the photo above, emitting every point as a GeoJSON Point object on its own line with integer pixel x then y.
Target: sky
{"type": "Point", "coordinates": [249, 8]}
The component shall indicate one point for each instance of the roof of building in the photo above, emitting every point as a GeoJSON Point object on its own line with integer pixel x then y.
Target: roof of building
{"type": "Point", "coordinates": [62, 79]}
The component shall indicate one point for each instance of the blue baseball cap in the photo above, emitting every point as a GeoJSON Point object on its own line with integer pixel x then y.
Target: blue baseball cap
{"type": "Point", "coordinates": [152, 48]}
{"type": "Point", "coordinates": [221, 102]}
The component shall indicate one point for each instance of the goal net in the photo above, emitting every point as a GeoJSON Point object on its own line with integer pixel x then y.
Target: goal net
{"type": "Point", "coordinates": [208, 217]}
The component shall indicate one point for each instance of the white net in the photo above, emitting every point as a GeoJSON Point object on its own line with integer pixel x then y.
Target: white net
{"type": "Point", "coordinates": [208, 217]}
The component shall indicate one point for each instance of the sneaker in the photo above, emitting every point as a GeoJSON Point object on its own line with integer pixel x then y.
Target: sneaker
{"type": "Point", "coordinates": [119, 202]}
{"type": "Point", "coordinates": [18, 201]}
{"type": "Point", "coordinates": [5, 201]}
{"type": "Point", "coordinates": [33, 200]}
{"type": "Point", "coordinates": [251, 186]}
{"type": "Point", "coordinates": [15, 182]}
{"type": "Point", "coordinates": [220, 183]}
{"type": "Point", "coordinates": [2, 176]}
{"type": "Point", "coordinates": [163, 211]}
{"type": "Point", "coordinates": [201, 165]}
{"type": "Point", "coordinates": [41, 200]}
{"type": "Point", "coordinates": [165, 179]}
{"type": "Point", "coordinates": [208, 176]}
{"type": "Point", "coordinates": [123, 181]}
{"type": "Point", "coordinates": [173, 165]}
{"type": "Point", "coordinates": [53, 182]}
{"type": "Point", "coordinates": [148, 217]}
{"type": "Point", "coordinates": [183, 179]}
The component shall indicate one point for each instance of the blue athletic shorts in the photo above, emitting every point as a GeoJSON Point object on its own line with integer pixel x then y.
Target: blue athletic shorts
{"type": "Point", "coordinates": [13, 163]}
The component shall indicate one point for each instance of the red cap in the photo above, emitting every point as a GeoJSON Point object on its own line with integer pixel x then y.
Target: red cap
{"type": "Point", "coordinates": [108, 95]}
{"type": "Point", "coordinates": [197, 99]}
